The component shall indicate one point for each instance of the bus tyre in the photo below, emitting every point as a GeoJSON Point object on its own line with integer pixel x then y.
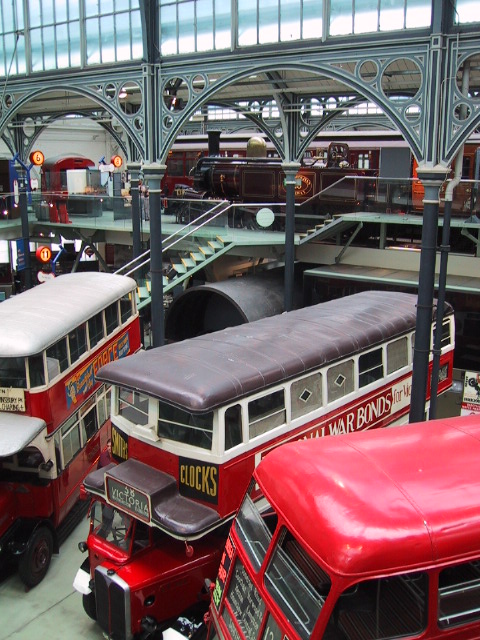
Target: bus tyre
{"type": "Point", "coordinates": [90, 605]}
{"type": "Point", "coordinates": [34, 563]}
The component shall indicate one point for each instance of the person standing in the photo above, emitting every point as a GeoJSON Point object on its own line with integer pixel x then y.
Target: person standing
{"type": "Point", "coordinates": [106, 456]}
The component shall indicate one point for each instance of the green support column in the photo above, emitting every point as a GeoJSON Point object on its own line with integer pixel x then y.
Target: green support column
{"type": "Point", "coordinates": [153, 174]}
{"type": "Point", "coordinates": [134, 170]}
{"type": "Point", "coordinates": [290, 169]}
{"type": "Point", "coordinates": [432, 179]}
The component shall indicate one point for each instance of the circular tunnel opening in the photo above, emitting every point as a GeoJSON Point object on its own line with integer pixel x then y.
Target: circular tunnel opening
{"type": "Point", "coordinates": [215, 306]}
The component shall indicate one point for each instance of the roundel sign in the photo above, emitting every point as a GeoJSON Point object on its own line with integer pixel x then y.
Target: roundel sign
{"type": "Point", "coordinates": [37, 158]}
{"type": "Point", "coordinates": [116, 161]}
{"type": "Point", "coordinates": [44, 254]}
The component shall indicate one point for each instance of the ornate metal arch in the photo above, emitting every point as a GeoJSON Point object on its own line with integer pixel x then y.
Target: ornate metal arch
{"type": "Point", "coordinates": [462, 106]}
{"type": "Point", "coordinates": [365, 71]}
{"type": "Point", "coordinates": [104, 93]}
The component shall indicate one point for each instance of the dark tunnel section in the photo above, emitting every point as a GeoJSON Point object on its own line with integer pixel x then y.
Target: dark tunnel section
{"type": "Point", "coordinates": [214, 306]}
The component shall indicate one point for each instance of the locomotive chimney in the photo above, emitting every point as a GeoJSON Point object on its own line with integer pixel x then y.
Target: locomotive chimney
{"type": "Point", "coordinates": [214, 143]}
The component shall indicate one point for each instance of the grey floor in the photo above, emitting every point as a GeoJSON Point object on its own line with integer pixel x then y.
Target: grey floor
{"type": "Point", "coordinates": [52, 610]}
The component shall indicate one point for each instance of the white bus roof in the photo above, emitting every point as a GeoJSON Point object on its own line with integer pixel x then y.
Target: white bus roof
{"type": "Point", "coordinates": [35, 319]}
{"type": "Point", "coordinates": [17, 431]}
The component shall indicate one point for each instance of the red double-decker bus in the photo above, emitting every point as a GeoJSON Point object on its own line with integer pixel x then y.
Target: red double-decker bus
{"type": "Point", "coordinates": [369, 536]}
{"type": "Point", "coordinates": [191, 420]}
{"type": "Point", "coordinates": [53, 410]}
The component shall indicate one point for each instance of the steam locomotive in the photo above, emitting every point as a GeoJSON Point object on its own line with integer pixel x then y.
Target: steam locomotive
{"type": "Point", "coordinates": [325, 186]}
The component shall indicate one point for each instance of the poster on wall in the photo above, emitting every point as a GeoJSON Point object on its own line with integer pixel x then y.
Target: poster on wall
{"type": "Point", "coordinates": [471, 394]}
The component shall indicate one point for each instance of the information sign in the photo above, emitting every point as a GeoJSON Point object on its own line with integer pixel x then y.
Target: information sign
{"type": "Point", "coordinates": [128, 498]}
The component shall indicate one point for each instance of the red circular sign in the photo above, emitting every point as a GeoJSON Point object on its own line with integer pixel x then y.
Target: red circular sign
{"type": "Point", "coordinates": [44, 254]}
{"type": "Point", "coordinates": [37, 158]}
{"type": "Point", "coordinates": [116, 161]}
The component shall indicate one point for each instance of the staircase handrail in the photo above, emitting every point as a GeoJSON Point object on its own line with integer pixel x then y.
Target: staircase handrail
{"type": "Point", "coordinates": [132, 266]}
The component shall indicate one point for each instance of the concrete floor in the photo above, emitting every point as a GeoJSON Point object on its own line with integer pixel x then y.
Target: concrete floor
{"type": "Point", "coordinates": [53, 610]}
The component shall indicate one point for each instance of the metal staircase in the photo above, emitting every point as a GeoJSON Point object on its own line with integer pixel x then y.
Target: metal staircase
{"type": "Point", "coordinates": [184, 263]}
{"type": "Point", "coordinates": [183, 266]}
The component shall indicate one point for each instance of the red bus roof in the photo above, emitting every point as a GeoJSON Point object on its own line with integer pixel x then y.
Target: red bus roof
{"type": "Point", "coordinates": [381, 501]}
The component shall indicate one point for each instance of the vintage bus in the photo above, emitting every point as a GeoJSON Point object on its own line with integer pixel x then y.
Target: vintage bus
{"type": "Point", "coordinates": [53, 410]}
{"type": "Point", "coordinates": [190, 421]}
{"type": "Point", "coordinates": [367, 536]}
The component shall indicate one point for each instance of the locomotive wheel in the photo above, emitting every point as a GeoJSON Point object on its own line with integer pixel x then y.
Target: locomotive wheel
{"type": "Point", "coordinates": [35, 561]}
{"type": "Point", "coordinates": [90, 605]}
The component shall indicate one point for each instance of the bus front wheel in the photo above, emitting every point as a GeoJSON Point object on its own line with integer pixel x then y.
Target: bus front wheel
{"type": "Point", "coordinates": [89, 605]}
{"type": "Point", "coordinates": [34, 563]}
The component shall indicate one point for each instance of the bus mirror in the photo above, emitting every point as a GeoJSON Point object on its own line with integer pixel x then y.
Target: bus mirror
{"type": "Point", "coordinates": [188, 550]}
{"type": "Point", "coordinates": [46, 466]}
{"type": "Point", "coordinates": [82, 546]}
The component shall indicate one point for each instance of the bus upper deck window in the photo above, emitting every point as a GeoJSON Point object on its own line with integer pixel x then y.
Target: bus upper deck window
{"type": "Point", "coordinates": [111, 317]}
{"type": "Point", "coordinates": [13, 373]}
{"type": "Point", "coordinates": [266, 413]}
{"type": "Point", "coordinates": [306, 395]}
{"type": "Point", "coordinates": [233, 426]}
{"type": "Point", "coordinates": [390, 607]}
{"type": "Point", "coordinates": [125, 308]}
{"type": "Point", "coordinates": [133, 406]}
{"type": "Point", "coordinates": [36, 371]}
{"type": "Point", "coordinates": [95, 330]}
{"type": "Point", "coordinates": [459, 594]}
{"type": "Point", "coordinates": [77, 342]}
{"type": "Point", "coordinates": [370, 367]}
{"type": "Point", "coordinates": [340, 380]}
{"type": "Point", "coordinates": [188, 428]}
{"type": "Point", "coordinates": [397, 354]}
{"type": "Point", "coordinates": [58, 351]}
{"type": "Point", "coordinates": [255, 529]}
{"type": "Point", "coordinates": [297, 584]}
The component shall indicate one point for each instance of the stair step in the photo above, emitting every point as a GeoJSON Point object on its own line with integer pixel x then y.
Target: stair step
{"type": "Point", "coordinates": [215, 244]}
{"type": "Point", "coordinates": [207, 251]}
{"type": "Point", "coordinates": [197, 256]}
{"type": "Point", "coordinates": [187, 262]}
{"type": "Point", "coordinates": [142, 292]}
{"type": "Point", "coordinates": [179, 268]}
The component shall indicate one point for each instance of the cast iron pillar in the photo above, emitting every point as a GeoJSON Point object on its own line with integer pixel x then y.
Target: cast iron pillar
{"type": "Point", "coordinates": [153, 174]}
{"type": "Point", "coordinates": [134, 170]}
{"type": "Point", "coordinates": [291, 170]}
{"type": "Point", "coordinates": [432, 179]}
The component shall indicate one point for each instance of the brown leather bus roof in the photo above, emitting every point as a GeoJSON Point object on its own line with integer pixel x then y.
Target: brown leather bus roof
{"type": "Point", "coordinates": [205, 372]}
{"type": "Point", "coordinates": [178, 516]}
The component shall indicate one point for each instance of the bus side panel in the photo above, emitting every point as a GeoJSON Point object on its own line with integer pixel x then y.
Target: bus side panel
{"type": "Point", "coordinates": [33, 500]}
{"type": "Point", "coordinates": [68, 394]}
{"type": "Point", "coordinates": [67, 490]}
